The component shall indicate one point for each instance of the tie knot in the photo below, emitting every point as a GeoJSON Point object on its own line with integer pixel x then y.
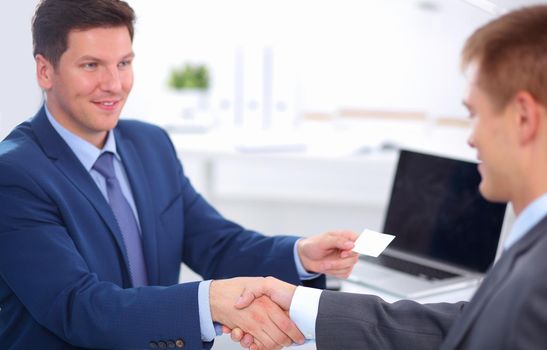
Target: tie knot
{"type": "Point", "coordinates": [104, 165]}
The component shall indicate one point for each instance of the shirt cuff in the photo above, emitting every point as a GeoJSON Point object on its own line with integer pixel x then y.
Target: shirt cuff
{"type": "Point", "coordinates": [303, 311]}
{"type": "Point", "coordinates": [208, 330]}
{"type": "Point", "coordinates": [302, 273]}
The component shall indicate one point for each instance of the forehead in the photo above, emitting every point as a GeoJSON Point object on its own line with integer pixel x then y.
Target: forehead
{"type": "Point", "coordinates": [471, 73]}
{"type": "Point", "coordinates": [108, 41]}
{"type": "Point", "coordinates": [472, 89]}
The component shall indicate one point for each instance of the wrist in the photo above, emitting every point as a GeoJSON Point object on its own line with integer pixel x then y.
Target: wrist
{"type": "Point", "coordinates": [214, 301]}
{"type": "Point", "coordinates": [280, 292]}
{"type": "Point", "coordinates": [300, 250]}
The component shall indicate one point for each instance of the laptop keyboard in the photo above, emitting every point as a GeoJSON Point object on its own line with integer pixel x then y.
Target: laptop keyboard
{"type": "Point", "coordinates": [409, 267]}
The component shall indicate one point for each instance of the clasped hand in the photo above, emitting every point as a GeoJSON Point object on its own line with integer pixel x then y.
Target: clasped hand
{"type": "Point", "coordinates": [261, 322]}
{"type": "Point", "coordinates": [258, 317]}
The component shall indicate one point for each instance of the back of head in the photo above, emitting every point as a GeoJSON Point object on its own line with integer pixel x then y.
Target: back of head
{"type": "Point", "coordinates": [54, 19]}
{"type": "Point", "coordinates": [511, 53]}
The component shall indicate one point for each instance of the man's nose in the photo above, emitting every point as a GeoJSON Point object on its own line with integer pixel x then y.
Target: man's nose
{"type": "Point", "coordinates": [471, 139]}
{"type": "Point", "coordinates": [110, 80]}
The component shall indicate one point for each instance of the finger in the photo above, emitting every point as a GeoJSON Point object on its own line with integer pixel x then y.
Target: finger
{"type": "Point", "coordinates": [288, 327]}
{"type": "Point", "coordinates": [270, 332]}
{"type": "Point", "coordinates": [247, 341]}
{"type": "Point", "coordinates": [351, 235]}
{"type": "Point", "coordinates": [282, 329]}
{"type": "Point", "coordinates": [253, 347]}
{"type": "Point", "coordinates": [236, 335]}
{"type": "Point", "coordinates": [341, 240]}
{"type": "Point", "coordinates": [258, 344]}
{"type": "Point", "coordinates": [340, 268]}
{"type": "Point", "coordinates": [247, 297]}
{"type": "Point", "coordinates": [341, 274]}
{"type": "Point", "coordinates": [226, 330]}
{"type": "Point", "coordinates": [332, 264]}
{"type": "Point", "coordinates": [264, 339]}
{"type": "Point", "coordinates": [348, 254]}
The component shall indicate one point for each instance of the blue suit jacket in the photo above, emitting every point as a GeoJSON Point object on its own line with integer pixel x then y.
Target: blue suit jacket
{"type": "Point", "coordinates": [64, 280]}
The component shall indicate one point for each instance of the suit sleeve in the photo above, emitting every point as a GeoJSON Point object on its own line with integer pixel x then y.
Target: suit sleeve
{"type": "Point", "coordinates": [355, 321]}
{"type": "Point", "coordinates": [41, 265]}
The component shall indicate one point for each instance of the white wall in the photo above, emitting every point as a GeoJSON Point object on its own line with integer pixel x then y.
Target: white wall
{"type": "Point", "coordinates": [379, 54]}
{"type": "Point", "coordinates": [20, 96]}
{"type": "Point", "coordinates": [387, 54]}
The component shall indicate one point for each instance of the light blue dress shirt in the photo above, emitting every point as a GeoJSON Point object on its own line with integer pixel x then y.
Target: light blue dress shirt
{"type": "Point", "coordinates": [530, 216]}
{"type": "Point", "coordinates": [88, 154]}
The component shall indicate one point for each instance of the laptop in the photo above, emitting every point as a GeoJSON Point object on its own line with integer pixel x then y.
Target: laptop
{"type": "Point", "coordinates": [446, 234]}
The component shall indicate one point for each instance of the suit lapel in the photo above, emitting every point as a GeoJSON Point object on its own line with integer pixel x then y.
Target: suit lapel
{"type": "Point", "coordinates": [494, 278]}
{"type": "Point", "coordinates": [66, 161]}
{"type": "Point", "coordinates": [141, 192]}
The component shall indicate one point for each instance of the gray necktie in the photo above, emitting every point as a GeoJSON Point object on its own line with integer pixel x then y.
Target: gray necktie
{"type": "Point", "coordinates": [125, 218]}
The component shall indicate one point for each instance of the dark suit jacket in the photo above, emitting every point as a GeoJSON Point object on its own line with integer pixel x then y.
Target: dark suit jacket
{"type": "Point", "coordinates": [64, 280]}
{"type": "Point", "coordinates": [509, 311]}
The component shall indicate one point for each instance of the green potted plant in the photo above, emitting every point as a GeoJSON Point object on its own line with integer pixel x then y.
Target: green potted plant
{"type": "Point", "coordinates": [190, 84]}
{"type": "Point", "coordinates": [190, 77]}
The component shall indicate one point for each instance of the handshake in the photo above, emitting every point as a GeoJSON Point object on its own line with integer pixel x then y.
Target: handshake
{"type": "Point", "coordinates": [255, 310]}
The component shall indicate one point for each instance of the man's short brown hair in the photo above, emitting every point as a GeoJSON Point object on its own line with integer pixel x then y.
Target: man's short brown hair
{"type": "Point", "coordinates": [511, 53]}
{"type": "Point", "coordinates": [54, 19]}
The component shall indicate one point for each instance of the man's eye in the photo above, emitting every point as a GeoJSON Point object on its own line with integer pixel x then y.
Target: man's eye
{"type": "Point", "coordinates": [90, 65]}
{"type": "Point", "coordinates": [125, 63]}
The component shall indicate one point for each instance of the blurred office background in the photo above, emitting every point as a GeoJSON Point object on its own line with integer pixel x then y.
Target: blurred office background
{"type": "Point", "coordinates": [273, 63]}
{"type": "Point", "coordinates": [307, 100]}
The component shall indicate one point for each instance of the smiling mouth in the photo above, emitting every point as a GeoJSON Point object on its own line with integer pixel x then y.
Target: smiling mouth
{"type": "Point", "coordinates": [107, 105]}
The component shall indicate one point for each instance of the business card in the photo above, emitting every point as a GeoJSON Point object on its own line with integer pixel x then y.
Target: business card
{"type": "Point", "coordinates": [372, 243]}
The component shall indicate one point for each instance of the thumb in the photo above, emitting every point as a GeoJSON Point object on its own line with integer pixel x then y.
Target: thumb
{"type": "Point", "coordinates": [245, 299]}
{"type": "Point", "coordinates": [342, 242]}
{"type": "Point", "coordinates": [348, 239]}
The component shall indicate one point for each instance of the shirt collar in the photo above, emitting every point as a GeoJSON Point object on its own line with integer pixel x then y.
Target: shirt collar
{"type": "Point", "coordinates": [86, 152]}
{"type": "Point", "coordinates": [529, 217]}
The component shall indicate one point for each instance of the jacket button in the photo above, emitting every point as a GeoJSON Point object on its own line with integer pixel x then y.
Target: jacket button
{"type": "Point", "coordinates": [162, 345]}
{"type": "Point", "coordinates": [170, 344]}
{"type": "Point", "coordinates": [153, 345]}
{"type": "Point", "coordinates": [179, 343]}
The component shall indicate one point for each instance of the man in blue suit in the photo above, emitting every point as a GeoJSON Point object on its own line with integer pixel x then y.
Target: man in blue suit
{"type": "Point", "coordinates": [96, 214]}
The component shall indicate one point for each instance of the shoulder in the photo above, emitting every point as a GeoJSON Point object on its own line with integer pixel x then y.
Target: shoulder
{"type": "Point", "coordinates": [19, 146]}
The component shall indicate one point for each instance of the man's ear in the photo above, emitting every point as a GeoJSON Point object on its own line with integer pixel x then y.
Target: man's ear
{"type": "Point", "coordinates": [528, 116]}
{"type": "Point", "coordinates": [44, 72]}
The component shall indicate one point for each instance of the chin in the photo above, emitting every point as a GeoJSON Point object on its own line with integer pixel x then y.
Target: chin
{"type": "Point", "coordinates": [109, 123]}
{"type": "Point", "coordinates": [491, 195]}
{"type": "Point", "coordinates": [486, 192]}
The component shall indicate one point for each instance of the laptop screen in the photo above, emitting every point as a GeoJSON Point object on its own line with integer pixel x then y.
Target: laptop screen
{"type": "Point", "coordinates": [437, 212]}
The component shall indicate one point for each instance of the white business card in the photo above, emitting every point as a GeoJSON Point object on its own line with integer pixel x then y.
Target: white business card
{"type": "Point", "coordinates": [372, 243]}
